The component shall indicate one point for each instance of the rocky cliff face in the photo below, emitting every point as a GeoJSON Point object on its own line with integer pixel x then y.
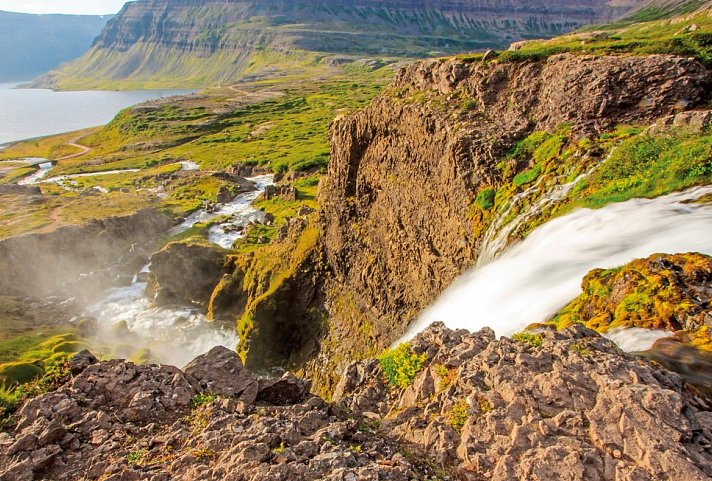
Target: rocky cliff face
{"type": "Point", "coordinates": [477, 409]}
{"type": "Point", "coordinates": [398, 215]}
{"type": "Point", "coordinates": [154, 40]}
{"type": "Point", "coordinates": [78, 260]}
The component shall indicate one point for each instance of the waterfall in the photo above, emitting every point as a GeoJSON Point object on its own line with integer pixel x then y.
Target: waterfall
{"type": "Point", "coordinates": [533, 279]}
{"type": "Point", "coordinates": [175, 334]}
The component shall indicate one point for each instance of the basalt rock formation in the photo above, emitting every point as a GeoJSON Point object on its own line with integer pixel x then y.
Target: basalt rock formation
{"type": "Point", "coordinates": [159, 41]}
{"type": "Point", "coordinates": [540, 408]}
{"type": "Point", "coordinates": [397, 203]}
{"type": "Point", "coordinates": [478, 409]}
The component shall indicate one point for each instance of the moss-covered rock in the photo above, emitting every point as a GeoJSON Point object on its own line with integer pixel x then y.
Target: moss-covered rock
{"type": "Point", "coordinates": [13, 373]}
{"type": "Point", "coordinates": [283, 319]}
{"type": "Point", "coordinates": [186, 272]}
{"type": "Point", "coordinates": [670, 292]}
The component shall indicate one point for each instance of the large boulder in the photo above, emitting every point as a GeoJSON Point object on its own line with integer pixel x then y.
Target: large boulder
{"type": "Point", "coordinates": [664, 291]}
{"type": "Point", "coordinates": [186, 273]}
{"type": "Point", "coordinates": [220, 371]}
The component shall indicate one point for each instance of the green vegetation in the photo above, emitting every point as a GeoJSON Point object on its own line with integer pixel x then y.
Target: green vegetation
{"type": "Point", "coordinates": [459, 414]}
{"type": "Point", "coordinates": [268, 273]}
{"type": "Point", "coordinates": [137, 458]}
{"type": "Point", "coordinates": [279, 125]}
{"type": "Point", "coordinates": [580, 349]}
{"type": "Point", "coordinates": [686, 36]}
{"type": "Point", "coordinates": [649, 166]}
{"type": "Point", "coordinates": [203, 398]}
{"type": "Point", "coordinates": [484, 405]}
{"type": "Point", "coordinates": [485, 198]}
{"type": "Point", "coordinates": [534, 340]}
{"type": "Point", "coordinates": [527, 177]}
{"type": "Point", "coordinates": [34, 348]}
{"type": "Point", "coordinates": [446, 376]}
{"type": "Point", "coordinates": [30, 381]}
{"type": "Point", "coordinates": [650, 293]}
{"type": "Point", "coordinates": [14, 373]}
{"type": "Point", "coordinates": [401, 365]}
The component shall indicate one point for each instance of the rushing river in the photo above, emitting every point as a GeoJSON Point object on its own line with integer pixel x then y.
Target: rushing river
{"type": "Point", "coordinates": [174, 334]}
{"type": "Point", "coordinates": [29, 113]}
{"type": "Point", "coordinates": [533, 279]}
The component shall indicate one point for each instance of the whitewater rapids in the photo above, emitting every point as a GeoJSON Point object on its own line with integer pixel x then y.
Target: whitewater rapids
{"type": "Point", "coordinates": [533, 279]}
{"type": "Point", "coordinates": [174, 334]}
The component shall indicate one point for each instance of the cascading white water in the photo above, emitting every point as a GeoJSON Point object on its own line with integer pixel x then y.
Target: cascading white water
{"type": "Point", "coordinates": [534, 278]}
{"type": "Point", "coordinates": [175, 334]}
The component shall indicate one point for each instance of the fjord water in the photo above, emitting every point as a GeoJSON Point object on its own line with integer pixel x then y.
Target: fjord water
{"type": "Point", "coordinates": [29, 113]}
{"type": "Point", "coordinates": [533, 279]}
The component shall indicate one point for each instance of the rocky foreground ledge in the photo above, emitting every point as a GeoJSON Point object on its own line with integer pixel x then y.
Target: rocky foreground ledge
{"type": "Point", "coordinates": [559, 406]}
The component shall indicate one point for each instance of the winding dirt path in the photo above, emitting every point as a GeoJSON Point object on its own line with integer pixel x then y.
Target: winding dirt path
{"type": "Point", "coordinates": [75, 143]}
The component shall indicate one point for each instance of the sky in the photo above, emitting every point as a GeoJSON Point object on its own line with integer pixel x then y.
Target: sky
{"type": "Point", "coordinates": [84, 7]}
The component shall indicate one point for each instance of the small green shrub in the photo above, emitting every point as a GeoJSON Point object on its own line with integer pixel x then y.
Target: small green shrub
{"type": "Point", "coordinates": [526, 147]}
{"type": "Point", "coordinates": [534, 340]}
{"type": "Point", "coordinates": [137, 458]}
{"type": "Point", "coordinates": [469, 104]}
{"type": "Point", "coordinates": [203, 398]}
{"type": "Point", "coordinates": [527, 176]}
{"type": "Point", "coordinates": [485, 198]}
{"type": "Point", "coordinates": [458, 415]}
{"type": "Point", "coordinates": [485, 405]}
{"type": "Point", "coordinates": [580, 349]}
{"type": "Point", "coordinates": [400, 365]}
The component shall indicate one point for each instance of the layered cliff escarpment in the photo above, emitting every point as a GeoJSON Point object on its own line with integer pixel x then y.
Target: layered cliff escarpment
{"type": "Point", "coordinates": [561, 406]}
{"type": "Point", "coordinates": [78, 260]}
{"type": "Point", "coordinates": [427, 176]}
{"type": "Point", "coordinates": [160, 42]}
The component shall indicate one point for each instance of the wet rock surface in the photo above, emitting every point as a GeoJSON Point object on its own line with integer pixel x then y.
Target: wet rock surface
{"type": "Point", "coordinates": [573, 408]}
{"type": "Point", "coordinates": [185, 273]}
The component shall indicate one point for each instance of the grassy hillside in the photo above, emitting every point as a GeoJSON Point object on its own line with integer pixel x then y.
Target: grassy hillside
{"type": "Point", "coordinates": [280, 126]}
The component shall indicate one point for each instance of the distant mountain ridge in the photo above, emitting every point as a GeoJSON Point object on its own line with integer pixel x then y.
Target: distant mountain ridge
{"type": "Point", "coordinates": [33, 44]}
{"type": "Point", "coordinates": [196, 43]}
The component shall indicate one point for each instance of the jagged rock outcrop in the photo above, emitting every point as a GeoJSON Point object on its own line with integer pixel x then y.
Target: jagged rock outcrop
{"type": "Point", "coordinates": [405, 172]}
{"type": "Point", "coordinates": [118, 421]}
{"type": "Point", "coordinates": [566, 405]}
{"type": "Point", "coordinates": [224, 37]}
{"type": "Point", "coordinates": [78, 260]}
{"type": "Point", "coordinates": [283, 317]}
{"type": "Point", "coordinates": [570, 407]}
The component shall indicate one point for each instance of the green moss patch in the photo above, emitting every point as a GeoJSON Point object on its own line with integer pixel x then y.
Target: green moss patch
{"type": "Point", "coordinates": [401, 365]}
